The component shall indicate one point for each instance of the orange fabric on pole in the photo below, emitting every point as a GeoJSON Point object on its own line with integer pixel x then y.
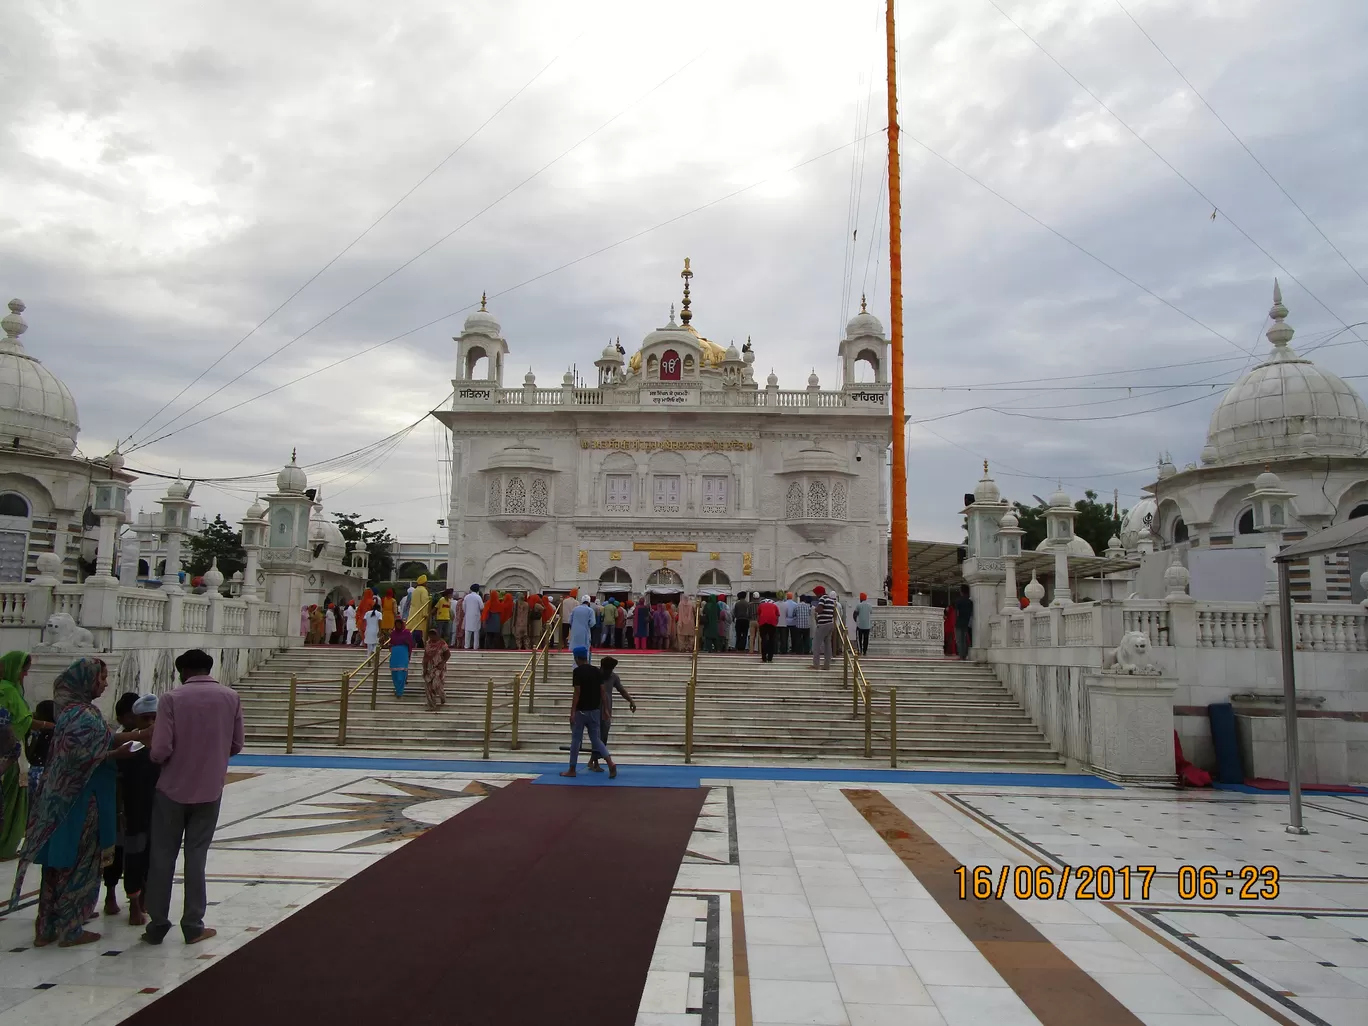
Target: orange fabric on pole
{"type": "Point", "coordinates": [898, 526]}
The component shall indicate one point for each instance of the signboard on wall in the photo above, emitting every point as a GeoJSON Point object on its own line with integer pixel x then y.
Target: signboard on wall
{"type": "Point", "coordinates": [669, 397]}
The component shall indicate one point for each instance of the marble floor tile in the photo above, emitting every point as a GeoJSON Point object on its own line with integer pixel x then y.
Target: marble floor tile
{"type": "Point", "coordinates": [880, 985]}
{"type": "Point", "coordinates": [788, 962]}
{"type": "Point", "coordinates": [980, 1006]}
{"type": "Point", "coordinates": [778, 930]}
{"type": "Point", "coordinates": [783, 1001]}
{"type": "Point", "coordinates": [864, 949]}
{"type": "Point", "coordinates": [849, 920]}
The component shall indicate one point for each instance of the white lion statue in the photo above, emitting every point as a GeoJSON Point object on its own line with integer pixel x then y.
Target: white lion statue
{"type": "Point", "coordinates": [62, 634]}
{"type": "Point", "coordinates": [1133, 654]}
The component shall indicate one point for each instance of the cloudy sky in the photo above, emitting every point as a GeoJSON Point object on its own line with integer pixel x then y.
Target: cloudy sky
{"type": "Point", "coordinates": [173, 173]}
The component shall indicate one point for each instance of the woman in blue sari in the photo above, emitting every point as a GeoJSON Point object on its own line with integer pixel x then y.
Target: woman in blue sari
{"type": "Point", "coordinates": [71, 826]}
{"type": "Point", "coordinates": [401, 650]}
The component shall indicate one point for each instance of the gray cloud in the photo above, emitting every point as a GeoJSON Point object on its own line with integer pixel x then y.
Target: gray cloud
{"type": "Point", "coordinates": [174, 174]}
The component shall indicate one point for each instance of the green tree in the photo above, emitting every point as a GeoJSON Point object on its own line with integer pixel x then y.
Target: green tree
{"type": "Point", "coordinates": [378, 543]}
{"type": "Point", "coordinates": [1096, 522]}
{"type": "Point", "coordinates": [217, 540]}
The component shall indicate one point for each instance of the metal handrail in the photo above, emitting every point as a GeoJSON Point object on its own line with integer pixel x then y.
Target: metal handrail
{"type": "Point", "coordinates": [529, 671]}
{"type": "Point", "coordinates": [691, 690]}
{"type": "Point", "coordinates": [860, 688]}
{"type": "Point", "coordinates": [375, 656]}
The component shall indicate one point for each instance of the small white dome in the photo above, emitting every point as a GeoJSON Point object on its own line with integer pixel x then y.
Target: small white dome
{"type": "Point", "coordinates": [1139, 522]}
{"type": "Point", "coordinates": [610, 354]}
{"type": "Point", "coordinates": [1209, 455]}
{"type": "Point", "coordinates": [733, 354]}
{"type": "Point", "coordinates": [1060, 499]}
{"type": "Point", "coordinates": [863, 323]}
{"type": "Point", "coordinates": [773, 380]}
{"type": "Point", "coordinates": [812, 380]}
{"type": "Point", "coordinates": [325, 531]}
{"type": "Point", "coordinates": [748, 355]}
{"type": "Point", "coordinates": [482, 322]}
{"type": "Point", "coordinates": [1075, 546]}
{"type": "Point", "coordinates": [1276, 409]}
{"type": "Point", "coordinates": [1114, 542]}
{"type": "Point", "coordinates": [213, 577]}
{"type": "Point", "coordinates": [529, 378]}
{"type": "Point", "coordinates": [255, 511]}
{"type": "Point", "coordinates": [36, 409]}
{"type": "Point", "coordinates": [1009, 521]}
{"type": "Point", "coordinates": [291, 477]}
{"type": "Point", "coordinates": [1268, 481]}
{"type": "Point", "coordinates": [177, 489]}
{"type": "Point", "coordinates": [1166, 470]}
{"type": "Point", "coordinates": [568, 378]}
{"type": "Point", "coordinates": [987, 490]}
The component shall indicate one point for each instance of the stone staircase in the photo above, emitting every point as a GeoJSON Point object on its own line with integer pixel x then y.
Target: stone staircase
{"type": "Point", "coordinates": [948, 711]}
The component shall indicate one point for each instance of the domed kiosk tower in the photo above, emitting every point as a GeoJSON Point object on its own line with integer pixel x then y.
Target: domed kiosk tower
{"type": "Point", "coordinates": [481, 339]}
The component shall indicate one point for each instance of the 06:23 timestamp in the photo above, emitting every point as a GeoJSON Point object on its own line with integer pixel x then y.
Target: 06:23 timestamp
{"type": "Point", "coordinates": [1106, 883]}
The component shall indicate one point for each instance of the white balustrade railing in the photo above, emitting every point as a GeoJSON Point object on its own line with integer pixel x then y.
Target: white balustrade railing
{"type": "Point", "coordinates": [141, 611]}
{"type": "Point", "coordinates": [1077, 627]}
{"type": "Point", "coordinates": [995, 633]}
{"type": "Point", "coordinates": [1040, 631]}
{"type": "Point", "coordinates": [1016, 632]}
{"type": "Point", "coordinates": [268, 621]}
{"type": "Point", "coordinates": [1231, 625]}
{"type": "Point", "coordinates": [1331, 627]}
{"type": "Point", "coordinates": [12, 603]}
{"type": "Point", "coordinates": [195, 615]}
{"type": "Point", "coordinates": [66, 598]}
{"type": "Point", "coordinates": [1150, 619]}
{"type": "Point", "coordinates": [234, 619]}
{"type": "Point", "coordinates": [789, 399]}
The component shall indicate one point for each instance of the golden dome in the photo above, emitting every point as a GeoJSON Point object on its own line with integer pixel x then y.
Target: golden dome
{"type": "Point", "coordinates": [711, 354]}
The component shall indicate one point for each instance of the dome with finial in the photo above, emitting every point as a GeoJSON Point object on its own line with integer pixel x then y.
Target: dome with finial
{"type": "Point", "coordinates": [1009, 521]}
{"type": "Point", "coordinates": [1286, 406]}
{"type": "Point", "coordinates": [255, 511]}
{"type": "Point", "coordinates": [529, 379]}
{"type": "Point", "coordinates": [610, 354]}
{"type": "Point", "coordinates": [863, 323]}
{"type": "Point", "coordinates": [482, 322]}
{"type": "Point", "coordinates": [1060, 499]}
{"type": "Point", "coordinates": [1138, 522]}
{"type": "Point", "coordinates": [178, 489]}
{"type": "Point", "coordinates": [812, 379]}
{"type": "Point", "coordinates": [37, 411]}
{"type": "Point", "coordinates": [986, 490]}
{"type": "Point", "coordinates": [213, 577]}
{"type": "Point", "coordinates": [568, 378]}
{"type": "Point", "coordinates": [773, 380]}
{"type": "Point", "coordinates": [681, 334]}
{"type": "Point", "coordinates": [324, 532]}
{"type": "Point", "coordinates": [291, 477]}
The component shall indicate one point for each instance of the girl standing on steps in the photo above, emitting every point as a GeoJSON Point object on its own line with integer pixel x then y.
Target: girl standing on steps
{"type": "Point", "coordinates": [435, 655]}
{"type": "Point", "coordinates": [401, 650]}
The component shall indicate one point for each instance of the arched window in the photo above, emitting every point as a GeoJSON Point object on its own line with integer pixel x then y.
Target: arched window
{"type": "Point", "coordinates": [1361, 510]}
{"type": "Point", "coordinates": [1245, 525]}
{"type": "Point", "coordinates": [714, 581]}
{"type": "Point", "coordinates": [1180, 532]}
{"type": "Point", "coordinates": [665, 579]}
{"type": "Point", "coordinates": [793, 504]}
{"type": "Point", "coordinates": [616, 580]}
{"type": "Point", "coordinates": [12, 504]}
{"type": "Point", "coordinates": [411, 570]}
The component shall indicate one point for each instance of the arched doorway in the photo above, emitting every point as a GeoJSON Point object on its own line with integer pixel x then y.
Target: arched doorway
{"type": "Point", "coordinates": [714, 582]}
{"type": "Point", "coordinates": [806, 584]}
{"type": "Point", "coordinates": [615, 581]}
{"type": "Point", "coordinates": [514, 579]}
{"type": "Point", "coordinates": [665, 585]}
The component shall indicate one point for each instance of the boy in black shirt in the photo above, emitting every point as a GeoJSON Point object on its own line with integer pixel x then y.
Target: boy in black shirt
{"type": "Point", "coordinates": [586, 701]}
{"type": "Point", "coordinates": [138, 783]}
{"type": "Point", "coordinates": [611, 682]}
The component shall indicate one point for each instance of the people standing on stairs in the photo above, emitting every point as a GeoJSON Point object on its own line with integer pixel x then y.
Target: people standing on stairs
{"type": "Point", "coordinates": [767, 618]}
{"type": "Point", "coordinates": [441, 615]}
{"type": "Point", "coordinates": [349, 618]}
{"type": "Point", "coordinates": [389, 610]}
{"type": "Point", "coordinates": [672, 642]}
{"type": "Point", "coordinates": [724, 624]}
{"type": "Point", "coordinates": [138, 776]}
{"type": "Point", "coordinates": [567, 607]}
{"type": "Point", "coordinates": [949, 631]}
{"type": "Point", "coordinates": [660, 624]}
{"type": "Point", "coordinates": [372, 630]}
{"type": "Point", "coordinates": [492, 622]}
{"type": "Point", "coordinates": [581, 624]}
{"type": "Point", "coordinates": [802, 627]}
{"type": "Point", "coordinates": [782, 633]}
{"type": "Point", "coordinates": [641, 624]}
{"type": "Point", "coordinates": [862, 616]}
{"type": "Point", "coordinates": [419, 611]}
{"type": "Point", "coordinates": [619, 624]}
{"type": "Point", "coordinates": [471, 608]}
{"type": "Point", "coordinates": [742, 614]}
{"type": "Point", "coordinates": [586, 701]}
{"type": "Point", "coordinates": [710, 624]}
{"type": "Point", "coordinates": [199, 728]}
{"type": "Point", "coordinates": [406, 603]}
{"type": "Point", "coordinates": [362, 608]}
{"type": "Point", "coordinates": [521, 611]}
{"type": "Point", "coordinates": [538, 616]}
{"type": "Point", "coordinates": [688, 623]}
{"type": "Point", "coordinates": [316, 626]}
{"type": "Point", "coordinates": [435, 655]}
{"type": "Point", "coordinates": [964, 621]}
{"type": "Point", "coordinates": [824, 615]}
{"type": "Point", "coordinates": [330, 625]}
{"type": "Point", "coordinates": [611, 683]}
{"type": "Point", "coordinates": [401, 652]}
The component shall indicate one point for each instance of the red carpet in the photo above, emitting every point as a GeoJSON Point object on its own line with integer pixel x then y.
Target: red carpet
{"type": "Point", "coordinates": [539, 905]}
{"type": "Point", "coordinates": [1268, 784]}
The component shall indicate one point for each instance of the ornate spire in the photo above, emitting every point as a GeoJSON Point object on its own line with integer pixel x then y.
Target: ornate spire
{"type": "Point", "coordinates": [862, 303]}
{"type": "Point", "coordinates": [484, 299]}
{"type": "Point", "coordinates": [14, 323]}
{"type": "Point", "coordinates": [294, 454]}
{"type": "Point", "coordinates": [985, 464]}
{"type": "Point", "coordinates": [1281, 332]}
{"type": "Point", "coordinates": [685, 315]}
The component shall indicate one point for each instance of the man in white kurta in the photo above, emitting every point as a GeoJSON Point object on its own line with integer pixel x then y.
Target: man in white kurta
{"type": "Point", "coordinates": [471, 607]}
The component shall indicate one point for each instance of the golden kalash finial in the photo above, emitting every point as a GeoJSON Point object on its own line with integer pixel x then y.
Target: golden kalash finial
{"type": "Point", "coordinates": [985, 468]}
{"type": "Point", "coordinates": [862, 303]}
{"type": "Point", "coordinates": [483, 300]}
{"type": "Point", "coordinates": [684, 313]}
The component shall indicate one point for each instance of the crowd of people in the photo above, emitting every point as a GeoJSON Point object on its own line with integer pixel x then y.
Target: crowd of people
{"type": "Point", "coordinates": [94, 803]}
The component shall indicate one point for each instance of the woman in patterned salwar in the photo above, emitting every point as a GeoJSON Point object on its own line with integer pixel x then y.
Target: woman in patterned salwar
{"type": "Point", "coordinates": [435, 655]}
{"type": "Point", "coordinates": [71, 828]}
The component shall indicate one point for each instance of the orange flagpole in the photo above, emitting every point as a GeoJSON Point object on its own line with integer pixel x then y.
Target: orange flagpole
{"type": "Point", "coordinates": [898, 527]}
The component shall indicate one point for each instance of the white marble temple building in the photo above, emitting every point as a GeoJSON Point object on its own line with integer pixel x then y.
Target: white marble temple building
{"type": "Point", "coordinates": [676, 471]}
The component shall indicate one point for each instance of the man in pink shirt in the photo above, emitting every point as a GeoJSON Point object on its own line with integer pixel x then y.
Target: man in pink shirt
{"type": "Point", "coordinates": [199, 728]}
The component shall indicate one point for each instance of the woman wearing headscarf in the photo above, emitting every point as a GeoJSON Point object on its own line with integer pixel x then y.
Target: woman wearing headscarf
{"type": "Point", "coordinates": [506, 614]}
{"type": "Point", "coordinates": [10, 751]}
{"type": "Point", "coordinates": [521, 611]}
{"type": "Point", "coordinates": [315, 626]}
{"type": "Point", "coordinates": [362, 608]}
{"type": "Point", "coordinates": [641, 623]}
{"type": "Point", "coordinates": [712, 625]}
{"type": "Point", "coordinates": [401, 649]}
{"type": "Point", "coordinates": [435, 655]}
{"type": "Point", "coordinates": [72, 828]}
{"type": "Point", "coordinates": [14, 799]}
{"type": "Point", "coordinates": [388, 612]}
{"type": "Point", "coordinates": [660, 626]}
{"type": "Point", "coordinates": [687, 623]}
